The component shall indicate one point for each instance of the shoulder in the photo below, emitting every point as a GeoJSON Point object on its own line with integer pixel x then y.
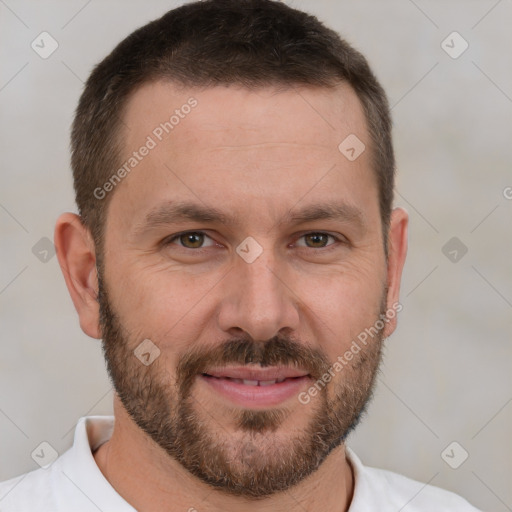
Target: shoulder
{"type": "Point", "coordinates": [387, 490]}
{"type": "Point", "coordinates": [72, 482]}
{"type": "Point", "coordinates": [31, 491]}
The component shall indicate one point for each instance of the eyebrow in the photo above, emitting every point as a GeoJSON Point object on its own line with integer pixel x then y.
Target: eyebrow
{"type": "Point", "coordinates": [173, 212]}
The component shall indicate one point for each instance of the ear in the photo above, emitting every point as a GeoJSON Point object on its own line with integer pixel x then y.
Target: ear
{"type": "Point", "coordinates": [396, 258]}
{"type": "Point", "coordinates": [77, 259]}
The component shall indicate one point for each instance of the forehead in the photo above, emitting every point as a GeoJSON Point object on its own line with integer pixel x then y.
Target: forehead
{"type": "Point", "coordinates": [240, 115]}
{"type": "Point", "coordinates": [242, 148]}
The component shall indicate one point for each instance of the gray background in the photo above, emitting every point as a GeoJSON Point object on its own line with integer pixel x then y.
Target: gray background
{"type": "Point", "coordinates": [446, 375]}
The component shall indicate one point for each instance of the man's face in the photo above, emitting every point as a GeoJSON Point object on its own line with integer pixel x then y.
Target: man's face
{"type": "Point", "coordinates": [223, 318]}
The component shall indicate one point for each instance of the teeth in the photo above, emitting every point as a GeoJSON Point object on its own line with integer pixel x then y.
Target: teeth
{"type": "Point", "coordinates": [255, 382]}
{"type": "Point", "coordinates": [249, 382]}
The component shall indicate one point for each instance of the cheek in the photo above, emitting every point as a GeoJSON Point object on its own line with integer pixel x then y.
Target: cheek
{"type": "Point", "coordinates": [164, 305]}
{"type": "Point", "coordinates": [341, 308]}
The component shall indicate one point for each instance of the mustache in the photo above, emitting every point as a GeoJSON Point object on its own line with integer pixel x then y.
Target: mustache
{"type": "Point", "coordinates": [278, 351]}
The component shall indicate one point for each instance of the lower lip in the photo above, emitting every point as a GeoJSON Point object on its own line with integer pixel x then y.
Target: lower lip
{"type": "Point", "coordinates": [257, 396]}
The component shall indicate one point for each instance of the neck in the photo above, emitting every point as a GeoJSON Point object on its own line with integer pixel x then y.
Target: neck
{"type": "Point", "coordinates": [149, 480]}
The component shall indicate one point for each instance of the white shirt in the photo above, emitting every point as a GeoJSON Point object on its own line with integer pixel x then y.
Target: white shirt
{"type": "Point", "coordinates": [74, 483]}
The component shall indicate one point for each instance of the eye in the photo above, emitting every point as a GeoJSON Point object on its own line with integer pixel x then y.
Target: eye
{"type": "Point", "coordinates": [196, 239]}
{"type": "Point", "coordinates": [318, 240]}
{"type": "Point", "coordinates": [190, 240]}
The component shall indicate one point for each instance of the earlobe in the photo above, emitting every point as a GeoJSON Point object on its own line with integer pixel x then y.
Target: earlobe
{"type": "Point", "coordinates": [398, 230]}
{"type": "Point", "coordinates": [77, 260]}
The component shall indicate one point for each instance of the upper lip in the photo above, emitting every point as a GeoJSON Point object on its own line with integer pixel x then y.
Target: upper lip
{"type": "Point", "coordinates": [257, 373]}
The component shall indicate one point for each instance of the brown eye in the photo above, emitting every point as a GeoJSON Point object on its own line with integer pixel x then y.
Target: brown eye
{"type": "Point", "coordinates": [190, 240]}
{"type": "Point", "coordinates": [316, 239]}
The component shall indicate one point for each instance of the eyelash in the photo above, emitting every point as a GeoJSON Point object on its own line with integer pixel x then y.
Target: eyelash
{"type": "Point", "coordinates": [170, 240]}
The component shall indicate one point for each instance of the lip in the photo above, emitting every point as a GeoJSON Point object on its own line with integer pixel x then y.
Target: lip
{"type": "Point", "coordinates": [259, 392]}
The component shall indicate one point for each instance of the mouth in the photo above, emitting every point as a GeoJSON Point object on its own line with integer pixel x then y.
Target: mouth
{"type": "Point", "coordinates": [253, 382]}
{"type": "Point", "coordinates": [256, 387]}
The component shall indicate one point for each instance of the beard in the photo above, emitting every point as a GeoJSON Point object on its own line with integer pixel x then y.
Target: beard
{"type": "Point", "coordinates": [256, 456]}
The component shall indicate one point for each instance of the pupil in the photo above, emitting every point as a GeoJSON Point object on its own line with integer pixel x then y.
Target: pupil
{"type": "Point", "coordinates": [190, 239]}
{"type": "Point", "coordinates": [316, 237]}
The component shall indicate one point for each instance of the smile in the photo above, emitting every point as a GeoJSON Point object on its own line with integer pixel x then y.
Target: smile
{"type": "Point", "coordinates": [256, 387]}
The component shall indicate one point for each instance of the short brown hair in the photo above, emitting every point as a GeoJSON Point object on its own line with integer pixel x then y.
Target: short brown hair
{"type": "Point", "coordinates": [252, 43]}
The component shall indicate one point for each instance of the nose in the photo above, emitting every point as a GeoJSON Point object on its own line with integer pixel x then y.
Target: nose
{"type": "Point", "coordinates": [259, 298]}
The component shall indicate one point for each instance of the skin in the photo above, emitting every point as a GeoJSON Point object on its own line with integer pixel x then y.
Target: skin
{"type": "Point", "coordinates": [256, 154]}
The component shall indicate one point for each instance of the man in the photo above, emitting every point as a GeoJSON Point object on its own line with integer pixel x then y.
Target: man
{"type": "Point", "coordinates": [238, 254]}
